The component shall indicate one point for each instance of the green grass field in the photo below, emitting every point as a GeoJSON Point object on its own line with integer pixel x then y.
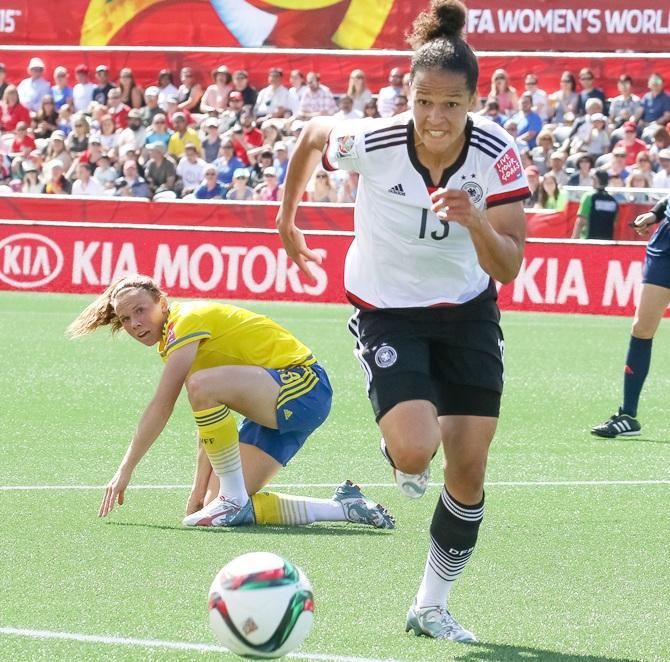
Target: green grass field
{"type": "Point", "coordinates": [572, 563]}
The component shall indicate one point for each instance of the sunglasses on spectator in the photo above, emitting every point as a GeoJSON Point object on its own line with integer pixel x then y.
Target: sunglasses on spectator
{"type": "Point", "coordinates": [531, 82]}
{"type": "Point", "coordinates": [159, 121]}
{"type": "Point", "coordinates": [227, 146]}
{"type": "Point", "coordinates": [210, 174]}
{"type": "Point", "coordinates": [586, 78]}
{"type": "Point", "coordinates": [322, 176]}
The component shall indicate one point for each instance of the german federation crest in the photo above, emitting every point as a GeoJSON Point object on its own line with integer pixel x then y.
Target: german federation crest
{"type": "Point", "coordinates": [385, 356]}
{"type": "Point", "coordinates": [474, 190]}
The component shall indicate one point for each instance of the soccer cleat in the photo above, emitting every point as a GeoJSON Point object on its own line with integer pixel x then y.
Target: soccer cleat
{"type": "Point", "coordinates": [438, 623]}
{"type": "Point", "coordinates": [413, 486]}
{"type": "Point", "coordinates": [222, 512]}
{"type": "Point", "coordinates": [360, 510]}
{"type": "Point", "coordinates": [618, 425]}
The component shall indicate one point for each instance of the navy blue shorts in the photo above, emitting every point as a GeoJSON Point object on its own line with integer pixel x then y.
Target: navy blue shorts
{"type": "Point", "coordinates": [303, 404]}
{"type": "Point", "coordinates": [657, 259]}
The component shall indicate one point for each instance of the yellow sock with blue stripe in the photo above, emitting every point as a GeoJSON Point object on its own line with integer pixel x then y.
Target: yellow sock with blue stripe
{"type": "Point", "coordinates": [273, 508]}
{"type": "Point", "coordinates": [218, 435]}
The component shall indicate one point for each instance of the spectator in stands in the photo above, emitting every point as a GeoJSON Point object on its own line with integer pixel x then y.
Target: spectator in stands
{"type": "Point", "coordinates": [190, 91]}
{"type": "Point", "coordinates": [105, 173]}
{"type": "Point", "coordinates": [491, 110]}
{"type": "Point", "coordinates": [134, 135]}
{"type": "Point", "coordinates": [637, 179]}
{"type": "Point", "coordinates": [370, 109]}
{"type": "Point", "coordinates": [597, 140]}
{"type": "Point", "coordinates": [357, 90]}
{"type": "Point", "coordinates": [251, 135]}
{"type": "Point", "coordinates": [160, 171]}
{"type": "Point", "coordinates": [529, 123]}
{"type": "Point", "coordinates": [227, 162]}
{"type": "Point", "coordinates": [297, 89]}
{"type": "Point", "coordinates": [3, 79]}
{"type": "Point", "coordinates": [557, 169]}
{"type": "Point", "coordinates": [132, 94]}
{"type": "Point", "coordinates": [191, 169]}
{"type": "Point", "coordinates": [172, 106]}
{"type": "Point", "coordinates": [661, 139]}
{"type": "Point", "coordinates": [182, 135]}
{"type": "Point", "coordinates": [94, 151]}
{"type": "Point", "coordinates": [541, 153]}
{"type": "Point", "coordinates": [56, 182]}
{"type": "Point", "coordinates": [12, 111]}
{"type": "Point", "coordinates": [109, 138]}
{"type": "Point", "coordinates": [387, 94]}
{"type": "Point", "coordinates": [231, 115]}
{"type": "Point", "coordinates": [131, 184]}
{"type": "Point", "coordinates": [151, 107]}
{"type": "Point", "coordinates": [580, 131]}
{"type": "Point", "coordinates": [241, 85]}
{"type": "Point", "coordinates": [265, 160]}
{"type": "Point", "coordinates": [211, 143]}
{"type": "Point", "coordinates": [626, 106]}
{"type": "Point", "coordinates": [512, 127]}
{"type": "Point", "coordinates": [643, 163]}
{"type": "Point", "coordinates": [317, 99]}
{"type": "Point", "coordinates": [46, 118]}
{"type": "Point", "coordinates": [82, 92]}
{"type": "Point", "coordinates": [22, 139]}
{"type": "Point", "coordinates": [61, 92]}
{"type": "Point", "coordinates": [631, 143]}
{"type": "Point", "coordinates": [273, 100]}
{"type": "Point", "coordinates": [400, 104]}
{"type": "Point", "coordinates": [616, 166]}
{"type": "Point", "coordinates": [77, 142]}
{"type": "Point", "coordinates": [346, 109]}
{"type": "Point", "coordinates": [582, 175]}
{"type": "Point", "coordinates": [56, 150]}
{"type": "Point", "coordinates": [117, 109]}
{"type": "Point", "coordinates": [215, 98]}
{"type": "Point", "coordinates": [64, 121]}
{"type": "Point", "coordinates": [85, 184]}
{"type": "Point", "coordinates": [661, 179]}
{"type": "Point", "coordinates": [533, 177]}
{"type": "Point", "coordinates": [596, 217]}
{"type": "Point", "coordinates": [589, 91]}
{"type": "Point", "coordinates": [31, 183]}
{"type": "Point", "coordinates": [271, 132]}
{"type": "Point", "coordinates": [550, 195]}
{"type": "Point", "coordinates": [616, 182]}
{"type": "Point", "coordinates": [565, 100]}
{"type": "Point", "coordinates": [503, 93]}
{"type": "Point", "coordinates": [268, 189]}
{"type": "Point", "coordinates": [655, 107]}
{"type": "Point", "coordinates": [210, 188]}
{"type": "Point", "coordinates": [32, 89]}
{"type": "Point", "coordinates": [280, 162]}
{"type": "Point", "coordinates": [539, 97]}
{"type": "Point", "coordinates": [103, 84]}
{"type": "Point", "coordinates": [166, 87]}
{"type": "Point", "coordinates": [240, 189]}
{"type": "Point", "coordinates": [322, 188]}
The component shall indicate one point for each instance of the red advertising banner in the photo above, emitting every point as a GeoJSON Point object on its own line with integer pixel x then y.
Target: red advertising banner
{"type": "Point", "coordinates": [556, 276]}
{"type": "Point", "coordinates": [567, 25]}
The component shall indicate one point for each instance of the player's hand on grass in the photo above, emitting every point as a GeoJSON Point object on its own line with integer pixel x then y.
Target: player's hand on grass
{"type": "Point", "coordinates": [296, 246]}
{"type": "Point", "coordinates": [643, 223]}
{"type": "Point", "coordinates": [114, 492]}
{"type": "Point", "coordinates": [194, 504]}
{"type": "Point", "coordinates": [455, 205]}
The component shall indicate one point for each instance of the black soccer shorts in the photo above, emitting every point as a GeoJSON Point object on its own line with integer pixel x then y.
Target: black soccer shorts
{"type": "Point", "coordinates": [451, 356]}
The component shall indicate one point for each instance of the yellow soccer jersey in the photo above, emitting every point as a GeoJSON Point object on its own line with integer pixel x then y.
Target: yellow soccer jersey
{"type": "Point", "coordinates": [229, 335]}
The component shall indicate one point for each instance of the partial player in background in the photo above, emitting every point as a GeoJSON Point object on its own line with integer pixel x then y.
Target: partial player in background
{"type": "Point", "coordinates": [654, 301]}
{"type": "Point", "coordinates": [438, 219]}
{"type": "Point", "coordinates": [228, 358]}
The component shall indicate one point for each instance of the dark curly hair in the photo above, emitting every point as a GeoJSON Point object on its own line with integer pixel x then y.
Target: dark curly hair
{"type": "Point", "coordinates": [437, 40]}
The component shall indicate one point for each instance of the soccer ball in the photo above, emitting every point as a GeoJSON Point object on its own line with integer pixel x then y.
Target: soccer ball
{"type": "Point", "coordinates": [261, 606]}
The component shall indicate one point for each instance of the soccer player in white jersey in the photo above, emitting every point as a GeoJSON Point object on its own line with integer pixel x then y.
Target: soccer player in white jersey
{"type": "Point", "coordinates": [438, 219]}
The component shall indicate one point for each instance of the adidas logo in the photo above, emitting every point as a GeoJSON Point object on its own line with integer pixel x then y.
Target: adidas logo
{"type": "Point", "coordinates": [397, 189]}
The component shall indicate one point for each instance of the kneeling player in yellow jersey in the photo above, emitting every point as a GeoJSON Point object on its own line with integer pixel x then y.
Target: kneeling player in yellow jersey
{"type": "Point", "coordinates": [228, 358]}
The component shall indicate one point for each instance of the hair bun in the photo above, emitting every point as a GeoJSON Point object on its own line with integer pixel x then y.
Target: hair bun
{"type": "Point", "coordinates": [446, 19]}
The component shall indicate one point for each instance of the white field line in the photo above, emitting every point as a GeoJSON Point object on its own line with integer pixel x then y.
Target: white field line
{"type": "Point", "coordinates": [493, 483]}
{"type": "Point", "coordinates": [159, 643]}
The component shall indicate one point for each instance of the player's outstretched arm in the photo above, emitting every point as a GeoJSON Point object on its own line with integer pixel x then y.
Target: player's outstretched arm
{"type": "Point", "coordinates": [151, 423]}
{"type": "Point", "coordinates": [305, 158]}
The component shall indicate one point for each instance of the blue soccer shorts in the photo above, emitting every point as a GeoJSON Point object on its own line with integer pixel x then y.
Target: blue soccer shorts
{"type": "Point", "coordinates": [303, 404]}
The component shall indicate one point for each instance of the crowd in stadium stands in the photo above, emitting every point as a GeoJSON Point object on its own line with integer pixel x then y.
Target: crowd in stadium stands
{"type": "Point", "coordinates": [89, 133]}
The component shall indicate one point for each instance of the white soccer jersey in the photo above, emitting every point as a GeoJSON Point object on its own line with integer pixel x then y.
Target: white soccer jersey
{"type": "Point", "coordinates": [402, 255]}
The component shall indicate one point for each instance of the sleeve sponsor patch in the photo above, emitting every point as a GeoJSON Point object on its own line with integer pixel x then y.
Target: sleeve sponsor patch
{"type": "Point", "coordinates": [346, 147]}
{"type": "Point", "coordinates": [508, 167]}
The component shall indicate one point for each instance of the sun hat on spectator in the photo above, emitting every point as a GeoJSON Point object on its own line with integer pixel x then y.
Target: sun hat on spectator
{"type": "Point", "coordinates": [558, 155]}
{"type": "Point", "coordinates": [619, 151]}
{"type": "Point", "coordinates": [240, 173]}
{"type": "Point", "coordinates": [135, 114]}
{"type": "Point", "coordinates": [57, 135]}
{"type": "Point", "coordinates": [156, 144]}
{"type": "Point", "coordinates": [235, 96]}
{"type": "Point", "coordinates": [598, 117]}
{"type": "Point", "coordinates": [664, 154]}
{"type": "Point", "coordinates": [60, 71]}
{"type": "Point", "coordinates": [190, 146]}
{"type": "Point", "coordinates": [100, 68]}
{"type": "Point", "coordinates": [178, 116]}
{"type": "Point", "coordinates": [151, 91]}
{"type": "Point", "coordinates": [94, 139]}
{"type": "Point", "coordinates": [55, 163]}
{"type": "Point", "coordinates": [81, 69]}
{"type": "Point", "coordinates": [222, 69]}
{"type": "Point", "coordinates": [629, 126]}
{"type": "Point", "coordinates": [212, 121]}
{"type": "Point", "coordinates": [269, 171]}
{"type": "Point", "coordinates": [279, 145]}
{"type": "Point", "coordinates": [35, 63]}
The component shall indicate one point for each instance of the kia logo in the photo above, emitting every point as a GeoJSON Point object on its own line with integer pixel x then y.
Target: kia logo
{"type": "Point", "coordinates": [29, 260]}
